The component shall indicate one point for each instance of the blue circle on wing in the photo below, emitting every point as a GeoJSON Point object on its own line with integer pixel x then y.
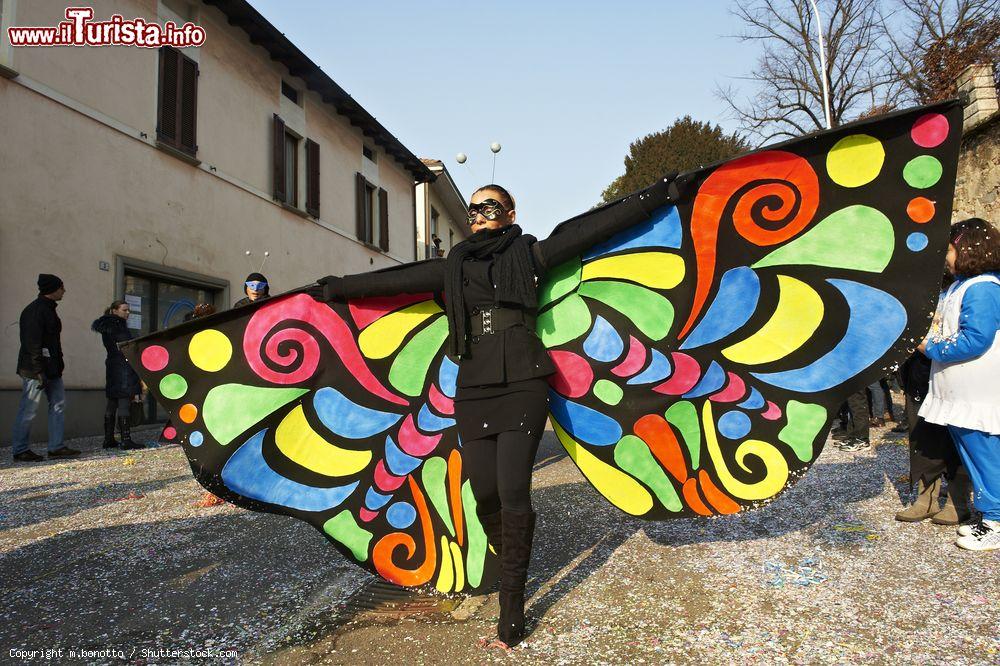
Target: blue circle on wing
{"type": "Point", "coordinates": [733, 425]}
{"type": "Point", "coordinates": [196, 438]}
{"type": "Point", "coordinates": [401, 515]}
{"type": "Point", "coordinates": [916, 241]}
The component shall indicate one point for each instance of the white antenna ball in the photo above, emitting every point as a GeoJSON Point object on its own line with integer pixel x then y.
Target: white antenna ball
{"type": "Point", "coordinates": [495, 147]}
{"type": "Point", "coordinates": [248, 253]}
{"type": "Point", "coordinates": [267, 254]}
{"type": "Point", "coordinates": [461, 157]}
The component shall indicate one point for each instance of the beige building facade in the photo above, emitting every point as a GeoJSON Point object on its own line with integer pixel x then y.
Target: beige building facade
{"type": "Point", "coordinates": [95, 190]}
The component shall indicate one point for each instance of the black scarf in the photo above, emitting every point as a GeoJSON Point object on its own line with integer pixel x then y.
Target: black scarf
{"type": "Point", "coordinates": [513, 274]}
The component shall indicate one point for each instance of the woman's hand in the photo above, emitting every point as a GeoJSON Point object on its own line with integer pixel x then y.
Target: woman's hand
{"type": "Point", "coordinates": [326, 289]}
{"type": "Point", "coordinates": [922, 347]}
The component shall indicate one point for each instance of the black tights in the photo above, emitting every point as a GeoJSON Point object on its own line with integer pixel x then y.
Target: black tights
{"type": "Point", "coordinates": [499, 470]}
{"type": "Point", "coordinates": [119, 405]}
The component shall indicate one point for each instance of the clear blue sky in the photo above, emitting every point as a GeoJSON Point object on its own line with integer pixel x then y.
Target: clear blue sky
{"type": "Point", "coordinates": [565, 87]}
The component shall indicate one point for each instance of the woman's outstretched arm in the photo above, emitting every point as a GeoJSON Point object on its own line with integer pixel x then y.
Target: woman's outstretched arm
{"type": "Point", "coordinates": [413, 278]}
{"type": "Point", "coordinates": [574, 236]}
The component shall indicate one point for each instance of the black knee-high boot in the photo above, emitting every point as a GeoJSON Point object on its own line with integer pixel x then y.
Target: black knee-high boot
{"type": "Point", "coordinates": [125, 427]}
{"type": "Point", "coordinates": [518, 530]}
{"type": "Point", "coordinates": [109, 432]}
{"type": "Point", "coordinates": [491, 525]}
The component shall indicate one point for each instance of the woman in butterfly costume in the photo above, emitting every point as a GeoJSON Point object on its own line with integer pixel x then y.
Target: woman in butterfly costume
{"type": "Point", "coordinates": [702, 331]}
{"type": "Point", "coordinates": [489, 282]}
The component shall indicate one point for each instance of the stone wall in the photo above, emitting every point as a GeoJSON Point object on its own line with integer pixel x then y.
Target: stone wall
{"type": "Point", "coordinates": [977, 189]}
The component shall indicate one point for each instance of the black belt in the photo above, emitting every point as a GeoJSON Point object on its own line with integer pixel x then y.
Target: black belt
{"type": "Point", "coordinates": [494, 320]}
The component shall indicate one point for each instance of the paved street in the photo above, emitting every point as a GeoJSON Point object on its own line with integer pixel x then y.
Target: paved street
{"type": "Point", "coordinates": [111, 553]}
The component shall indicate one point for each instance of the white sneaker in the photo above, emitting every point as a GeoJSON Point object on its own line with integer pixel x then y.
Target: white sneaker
{"type": "Point", "coordinates": [966, 530]}
{"type": "Point", "coordinates": [984, 536]}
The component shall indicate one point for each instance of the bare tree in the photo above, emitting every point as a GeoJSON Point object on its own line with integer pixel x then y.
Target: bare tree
{"type": "Point", "coordinates": [787, 79]}
{"type": "Point", "coordinates": [931, 41]}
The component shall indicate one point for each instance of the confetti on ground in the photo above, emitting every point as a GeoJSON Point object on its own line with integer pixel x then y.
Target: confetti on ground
{"type": "Point", "coordinates": [604, 588]}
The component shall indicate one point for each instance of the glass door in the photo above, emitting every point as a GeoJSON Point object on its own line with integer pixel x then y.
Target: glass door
{"type": "Point", "coordinates": [158, 303]}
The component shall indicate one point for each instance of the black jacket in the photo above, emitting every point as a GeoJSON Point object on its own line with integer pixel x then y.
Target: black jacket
{"type": "Point", "coordinates": [121, 381]}
{"type": "Point", "coordinates": [246, 300]}
{"type": "Point", "coordinates": [41, 350]}
{"type": "Point", "coordinates": [516, 353]}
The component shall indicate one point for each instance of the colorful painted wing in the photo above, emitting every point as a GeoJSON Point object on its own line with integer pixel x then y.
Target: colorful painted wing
{"type": "Point", "coordinates": [340, 416]}
{"type": "Point", "coordinates": [702, 355]}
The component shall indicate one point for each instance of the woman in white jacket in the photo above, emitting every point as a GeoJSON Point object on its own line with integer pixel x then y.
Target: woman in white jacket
{"type": "Point", "coordinates": [965, 373]}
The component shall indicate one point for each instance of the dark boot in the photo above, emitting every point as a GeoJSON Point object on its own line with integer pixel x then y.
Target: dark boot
{"type": "Point", "coordinates": [956, 506]}
{"type": "Point", "coordinates": [518, 530]}
{"type": "Point", "coordinates": [109, 432]}
{"type": "Point", "coordinates": [491, 525]}
{"type": "Point", "coordinates": [125, 427]}
{"type": "Point", "coordinates": [926, 504]}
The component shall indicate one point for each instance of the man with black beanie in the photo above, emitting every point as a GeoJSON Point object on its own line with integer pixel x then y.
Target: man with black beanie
{"type": "Point", "coordinates": [40, 365]}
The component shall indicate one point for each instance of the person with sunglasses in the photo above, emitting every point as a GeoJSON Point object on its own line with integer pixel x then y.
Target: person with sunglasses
{"type": "Point", "coordinates": [255, 287]}
{"type": "Point", "coordinates": [489, 282]}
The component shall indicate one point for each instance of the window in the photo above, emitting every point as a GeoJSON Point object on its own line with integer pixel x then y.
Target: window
{"type": "Point", "coordinates": [291, 93]}
{"type": "Point", "coordinates": [177, 108]}
{"type": "Point", "coordinates": [285, 153]}
{"type": "Point", "coordinates": [368, 152]}
{"type": "Point", "coordinates": [434, 249]}
{"type": "Point", "coordinates": [372, 214]}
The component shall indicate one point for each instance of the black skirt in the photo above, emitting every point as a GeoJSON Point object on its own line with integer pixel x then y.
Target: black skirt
{"type": "Point", "coordinates": [486, 411]}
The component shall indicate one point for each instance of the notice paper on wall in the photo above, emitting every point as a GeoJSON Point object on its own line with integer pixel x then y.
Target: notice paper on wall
{"type": "Point", "coordinates": [134, 321]}
{"type": "Point", "coordinates": [134, 303]}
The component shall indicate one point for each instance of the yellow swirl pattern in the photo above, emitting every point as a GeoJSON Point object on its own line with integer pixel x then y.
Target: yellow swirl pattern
{"type": "Point", "coordinates": [303, 445]}
{"type": "Point", "coordinates": [774, 463]}
{"type": "Point", "coordinates": [385, 335]}
{"type": "Point", "coordinates": [621, 489]}
{"type": "Point", "coordinates": [796, 317]}
{"type": "Point", "coordinates": [658, 270]}
{"type": "Point", "coordinates": [446, 577]}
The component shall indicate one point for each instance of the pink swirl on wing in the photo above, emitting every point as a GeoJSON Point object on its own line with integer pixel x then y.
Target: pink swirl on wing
{"type": "Point", "coordinates": [292, 355]}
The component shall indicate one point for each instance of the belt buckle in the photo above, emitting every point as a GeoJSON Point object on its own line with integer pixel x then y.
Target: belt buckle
{"type": "Point", "coordinates": [488, 322]}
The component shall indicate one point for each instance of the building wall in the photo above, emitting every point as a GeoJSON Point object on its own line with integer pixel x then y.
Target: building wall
{"type": "Point", "coordinates": [447, 220]}
{"type": "Point", "coordinates": [81, 185]}
{"type": "Point", "coordinates": [977, 188]}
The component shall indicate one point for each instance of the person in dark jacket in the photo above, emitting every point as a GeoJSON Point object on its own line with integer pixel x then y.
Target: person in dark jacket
{"type": "Point", "coordinates": [501, 403]}
{"type": "Point", "coordinates": [256, 288]}
{"type": "Point", "coordinates": [40, 366]}
{"type": "Point", "coordinates": [122, 384]}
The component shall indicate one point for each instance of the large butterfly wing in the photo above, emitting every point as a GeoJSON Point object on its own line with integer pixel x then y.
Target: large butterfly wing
{"type": "Point", "coordinates": [340, 416]}
{"type": "Point", "coordinates": [703, 354]}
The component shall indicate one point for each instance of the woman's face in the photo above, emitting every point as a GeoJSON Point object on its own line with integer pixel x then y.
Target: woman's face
{"type": "Point", "coordinates": [122, 311]}
{"type": "Point", "coordinates": [480, 222]}
{"type": "Point", "coordinates": [950, 257]}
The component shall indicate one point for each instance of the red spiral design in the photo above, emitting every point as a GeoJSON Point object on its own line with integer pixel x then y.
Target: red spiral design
{"type": "Point", "coordinates": [772, 196]}
{"type": "Point", "coordinates": [292, 355]}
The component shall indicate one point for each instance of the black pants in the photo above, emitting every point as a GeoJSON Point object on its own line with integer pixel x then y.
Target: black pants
{"type": "Point", "coordinates": [117, 405]}
{"type": "Point", "coordinates": [499, 470]}
{"type": "Point", "coordinates": [857, 404]}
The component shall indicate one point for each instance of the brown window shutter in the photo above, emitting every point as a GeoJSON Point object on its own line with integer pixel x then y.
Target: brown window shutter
{"type": "Point", "coordinates": [383, 219]}
{"type": "Point", "coordinates": [361, 194]}
{"type": "Point", "coordinates": [166, 109]}
{"type": "Point", "coordinates": [188, 118]}
{"type": "Point", "coordinates": [312, 177]}
{"type": "Point", "coordinates": [278, 149]}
